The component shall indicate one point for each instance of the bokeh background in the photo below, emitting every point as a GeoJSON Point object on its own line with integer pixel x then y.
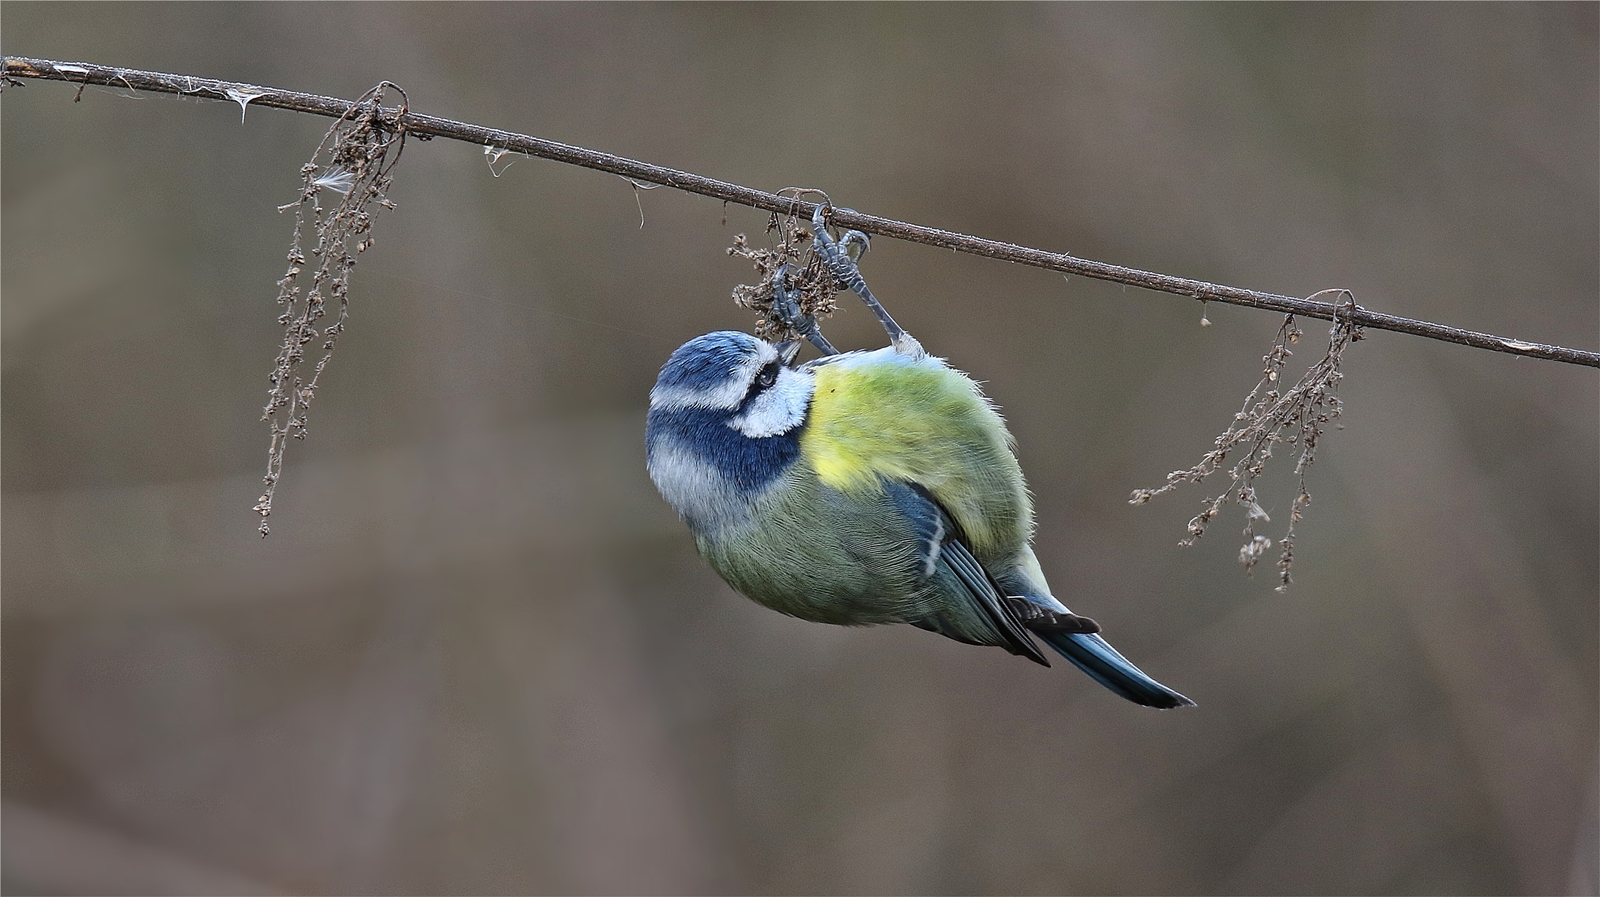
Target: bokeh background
{"type": "Point", "coordinates": [479, 655]}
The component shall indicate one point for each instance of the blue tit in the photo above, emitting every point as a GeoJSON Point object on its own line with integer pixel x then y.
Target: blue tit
{"type": "Point", "coordinates": [862, 488]}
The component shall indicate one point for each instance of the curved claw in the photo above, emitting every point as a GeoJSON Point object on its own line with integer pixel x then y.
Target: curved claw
{"type": "Point", "coordinates": [855, 244]}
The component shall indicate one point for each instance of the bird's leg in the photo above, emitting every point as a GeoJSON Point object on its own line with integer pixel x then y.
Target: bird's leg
{"type": "Point", "coordinates": [1042, 619]}
{"type": "Point", "coordinates": [786, 303]}
{"type": "Point", "coordinates": [839, 256]}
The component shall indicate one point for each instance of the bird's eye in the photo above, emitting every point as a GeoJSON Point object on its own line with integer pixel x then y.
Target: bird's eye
{"type": "Point", "coordinates": [766, 377]}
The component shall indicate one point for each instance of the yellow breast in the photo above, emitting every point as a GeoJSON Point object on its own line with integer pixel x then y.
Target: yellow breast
{"type": "Point", "coordinates": [880, 417]}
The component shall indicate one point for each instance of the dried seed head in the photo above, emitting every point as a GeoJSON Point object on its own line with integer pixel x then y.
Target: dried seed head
{"type": "Point", "coordinates": [1295, 416]}
{"type": "Point", "coordinates": [362, 148]}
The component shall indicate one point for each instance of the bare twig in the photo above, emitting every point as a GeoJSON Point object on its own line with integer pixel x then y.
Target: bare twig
{"type": "Point", "coordinates": [427, 126]}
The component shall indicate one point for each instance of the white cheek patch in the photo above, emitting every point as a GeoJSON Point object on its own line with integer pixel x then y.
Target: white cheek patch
{"type": "Point", "coordinates": [726, 397]}
{"type": "Point", "coordinates": [778, 410]}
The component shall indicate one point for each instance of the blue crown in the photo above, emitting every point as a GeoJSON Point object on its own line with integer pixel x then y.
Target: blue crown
{"type": "Point", "coordinates": [706, 362]}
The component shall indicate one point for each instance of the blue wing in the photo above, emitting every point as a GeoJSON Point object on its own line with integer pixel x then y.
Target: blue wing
{"type": "Point", "coordinates": [968, 606]}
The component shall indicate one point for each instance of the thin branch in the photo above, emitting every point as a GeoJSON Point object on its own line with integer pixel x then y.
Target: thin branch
{"type": "Point", "coordinates": [428, 126]}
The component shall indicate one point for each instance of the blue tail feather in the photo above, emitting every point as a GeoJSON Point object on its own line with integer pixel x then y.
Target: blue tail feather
{"type": "Point", "coordinates": [1095, 656]}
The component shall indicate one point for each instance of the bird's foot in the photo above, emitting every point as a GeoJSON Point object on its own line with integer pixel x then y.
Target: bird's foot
{"type": "Point", "coordinates": [839, 257]}
{"type": "Point", "coordinates": [786, 303]}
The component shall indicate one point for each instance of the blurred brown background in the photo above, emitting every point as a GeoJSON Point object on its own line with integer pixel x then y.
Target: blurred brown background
{"type": "Point", "coordinates": [479, 654]}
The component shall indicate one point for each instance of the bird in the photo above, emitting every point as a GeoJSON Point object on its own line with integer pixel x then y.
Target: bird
{"type": "Point", "coordinates": [866, 487]}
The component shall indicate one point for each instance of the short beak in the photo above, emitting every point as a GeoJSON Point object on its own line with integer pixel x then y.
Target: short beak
{"type": "Point", "coordinates": [787, 350]}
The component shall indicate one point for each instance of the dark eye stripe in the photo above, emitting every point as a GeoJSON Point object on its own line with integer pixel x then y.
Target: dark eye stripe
{"type": "Point", "coordinates": [765, 378]}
